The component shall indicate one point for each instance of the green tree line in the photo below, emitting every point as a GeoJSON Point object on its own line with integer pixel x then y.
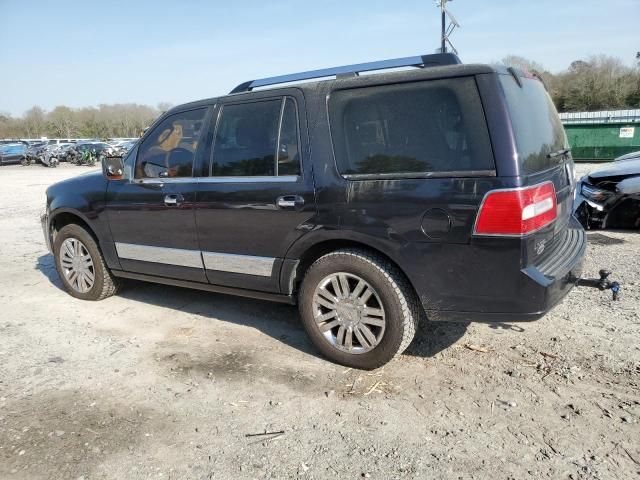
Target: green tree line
{"type": "Point", "coordinates": [597, 83]}
{"type": "Point", "coordinates": [104, 121]}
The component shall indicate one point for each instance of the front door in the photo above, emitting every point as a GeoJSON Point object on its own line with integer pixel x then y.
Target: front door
{"type": "Point", "coordinates": [151, 213]}
{"type": "Point", "coordinates": [256, 196]}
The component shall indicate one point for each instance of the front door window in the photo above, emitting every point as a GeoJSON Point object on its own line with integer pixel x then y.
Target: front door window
{"type": "Point", "coordinates": [169, 151]}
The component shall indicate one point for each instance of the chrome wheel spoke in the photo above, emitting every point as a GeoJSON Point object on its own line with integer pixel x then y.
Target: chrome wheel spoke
{"type": "Point", "coordinates": [329, 325]}
{"type": "Point", "coordinates": [344, 284]}
{"type": "Point", "coordinates": [348, 339]}
{"type": "Point", "coordinates": [71, 276]}
{"type": "Point", "coordinates": [378, 322]}
{"type": "Point", "coordinates": [366, 295]}
{"type": "Point", "coordinates": [376, 312]}
{"type": "Point", "coordinates": [327, 316]}
{"type": "Point", "coordinates": [368, 334]}
{"type": "Point", "coordinates": [336, 288]}
{"type": "Point", "coordinates": [359, 288]}
{"type": "Point", "coordinates": [324, 302]}
{"type": "Point", "coordinates": [90, 276]}
{"type": "Point", "coordinates": [361, 338]}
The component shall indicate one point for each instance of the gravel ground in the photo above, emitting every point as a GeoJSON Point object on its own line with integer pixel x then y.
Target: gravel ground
{"type": "Point", "coordinates": [162, 382]}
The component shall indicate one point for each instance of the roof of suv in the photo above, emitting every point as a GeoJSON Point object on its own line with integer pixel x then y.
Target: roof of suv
{"type": "Point", "coordinates": [427, 67]}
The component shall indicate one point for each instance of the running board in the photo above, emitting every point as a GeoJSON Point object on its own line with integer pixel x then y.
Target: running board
{"type": "Point", "coordinates": [272, 297]}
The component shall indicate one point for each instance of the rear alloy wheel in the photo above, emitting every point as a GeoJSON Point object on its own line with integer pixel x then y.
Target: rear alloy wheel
{"type": "Point", "coordinates": [349, 313]}
{"type": "Point", "coordinates": [80, 265]}
{"type": "Point", "coordinates": [358, 308]}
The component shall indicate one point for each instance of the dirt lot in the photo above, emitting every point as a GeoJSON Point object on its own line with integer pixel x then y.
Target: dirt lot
{"type": "Point", "coordinates": [161, 382]}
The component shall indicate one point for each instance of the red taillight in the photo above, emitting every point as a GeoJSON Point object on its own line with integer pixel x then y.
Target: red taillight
{"type": "Point", "coordinates": [517, 211]}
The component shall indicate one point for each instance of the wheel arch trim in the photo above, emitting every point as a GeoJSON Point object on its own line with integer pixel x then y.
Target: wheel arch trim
{"type": "Point", "coordinates": [312, 246]}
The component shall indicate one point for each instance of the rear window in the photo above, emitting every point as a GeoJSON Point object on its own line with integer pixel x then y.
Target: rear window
{"type": "Point", "coordinates": [412, 129]}
{"type": "Point", "coordinates": [536, 125]}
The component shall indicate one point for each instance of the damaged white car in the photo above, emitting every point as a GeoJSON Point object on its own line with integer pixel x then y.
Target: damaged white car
{"type": "Point", "coordinates": [609, 197]}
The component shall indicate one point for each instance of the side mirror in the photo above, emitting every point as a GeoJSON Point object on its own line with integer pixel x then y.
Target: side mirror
{"type": "Point", "coordinates": [113, 168]}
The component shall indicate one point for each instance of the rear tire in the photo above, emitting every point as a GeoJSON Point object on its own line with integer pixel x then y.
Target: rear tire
{"type": "Point", "coordinates": [81, 266]}
{"type": "Point", "coordinates": [380, 327]}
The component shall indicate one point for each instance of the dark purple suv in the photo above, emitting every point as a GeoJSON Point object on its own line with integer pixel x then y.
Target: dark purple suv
{"type": "Point", "coordinates": [443, 191]}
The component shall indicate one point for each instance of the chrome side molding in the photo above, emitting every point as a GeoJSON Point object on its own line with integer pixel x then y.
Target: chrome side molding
{"type": "Point", "coordinates": [221, 262]}
{"type": "Point", "coordinates": [167, 256]}
{"type": "Point", "coordinates": [246, 264]}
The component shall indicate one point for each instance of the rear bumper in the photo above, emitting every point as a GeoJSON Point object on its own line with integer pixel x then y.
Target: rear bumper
{"type": "Point", "coordinates": [535, 289]}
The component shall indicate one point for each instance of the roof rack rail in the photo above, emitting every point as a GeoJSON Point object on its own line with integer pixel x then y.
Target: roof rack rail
{"type": "Point", "coordinates": [421, 61]}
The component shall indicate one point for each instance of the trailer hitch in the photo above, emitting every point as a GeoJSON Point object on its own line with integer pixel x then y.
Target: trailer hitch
{"type": "Point", "coordinates": [603, 283]}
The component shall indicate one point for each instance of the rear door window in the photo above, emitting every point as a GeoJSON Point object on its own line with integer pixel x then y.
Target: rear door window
{"type": "Point", "coordinates": [415, 129]}
{"type": "Point", "coordinates": [259, 139]}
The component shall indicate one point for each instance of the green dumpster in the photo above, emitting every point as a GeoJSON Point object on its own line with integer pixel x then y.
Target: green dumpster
{"type": "Point", "coordinates": [602, 136]}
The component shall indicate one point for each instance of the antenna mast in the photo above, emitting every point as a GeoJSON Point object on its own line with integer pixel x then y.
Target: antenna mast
{"type": "Point", "coordinates": [446, 30]}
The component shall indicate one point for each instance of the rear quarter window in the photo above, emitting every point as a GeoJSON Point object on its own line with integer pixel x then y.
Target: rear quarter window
{"type": "Point", "coordinates": [415, 129]}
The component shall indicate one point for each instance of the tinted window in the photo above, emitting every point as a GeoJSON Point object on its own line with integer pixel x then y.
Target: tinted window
{"type": "Point", "coordinates": [435, 126]}
{"type": "Point", "coordinates": [289, 147]}
{"type": "Point", "coordinates": [249, 136]}
{"type": "Point", "coordinates": [170, 149]}
{"type": "Point", "coordinates": [245, 143]}
{"type": "Point", "coordinates": [536, 125]}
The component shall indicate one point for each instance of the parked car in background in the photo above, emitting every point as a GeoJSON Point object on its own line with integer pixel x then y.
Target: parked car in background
{"type": "Point", "coordinates": [609, 197]}
{"type": "Point", "coordinates": [63, 151]}
{"type": "Point", "coordinates": [12, 153]}
{"type": "Point", "coordinates": [49, 155]}
{"type": "Point", "coordinates": [35, 151]}
{"type": "Point", "coordinates": [58, 150]}
{"type": "Point", "coordinates": [628, 156]}
{"type": "Point", "coordinates": [97, 147]}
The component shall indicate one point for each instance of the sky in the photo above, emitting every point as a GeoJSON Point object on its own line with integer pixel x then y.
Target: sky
{"type": "Point", "coordinates": [86, 53]}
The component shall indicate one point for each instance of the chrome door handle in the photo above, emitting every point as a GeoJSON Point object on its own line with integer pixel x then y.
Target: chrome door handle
{"type": "Point", "coordinates": [173, 200]}
{"type": "Point", "coordinates": [290, 201]}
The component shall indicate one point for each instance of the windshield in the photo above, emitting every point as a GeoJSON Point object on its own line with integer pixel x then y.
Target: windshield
{"type": "Point", "coordinates": [535, 122]}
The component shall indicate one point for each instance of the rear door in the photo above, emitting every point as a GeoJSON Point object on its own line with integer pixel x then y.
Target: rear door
{"type": "Point", "coordinates": [256, 196]}
{"type": "Point", "coordinates": [151, 213]}
{"type": "Point", "coordinates": [543, 155]}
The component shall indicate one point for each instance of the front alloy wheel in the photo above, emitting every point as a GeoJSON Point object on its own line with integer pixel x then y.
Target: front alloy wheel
{"type": "Point", "coordinates": [81, 266]}
{"type": "Point", "coordinates": [77, 265]}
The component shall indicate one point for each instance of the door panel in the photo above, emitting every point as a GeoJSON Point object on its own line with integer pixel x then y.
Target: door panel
{"type": "Point", "coordinates": [261, 197]}
{"type": "Point", "coordinates": [244, 235]}
{"type": "Point", "coordinates": [152, 236]}
{"type": "Point", "coordinates": [151, 212]}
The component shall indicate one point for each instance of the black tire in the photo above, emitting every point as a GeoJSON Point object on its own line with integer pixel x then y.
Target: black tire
{"type": "Point", "coordinates": [400, 303]}
{"type": "Point", "coordinates": [105, 284]}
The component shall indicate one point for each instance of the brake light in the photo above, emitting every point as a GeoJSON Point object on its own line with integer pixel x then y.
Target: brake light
{"type": "Point", "coordinates": [517, 211]}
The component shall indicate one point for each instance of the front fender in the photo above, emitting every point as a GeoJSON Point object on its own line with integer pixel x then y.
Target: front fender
{"type": "Point", "coordinates": [83, 197]}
